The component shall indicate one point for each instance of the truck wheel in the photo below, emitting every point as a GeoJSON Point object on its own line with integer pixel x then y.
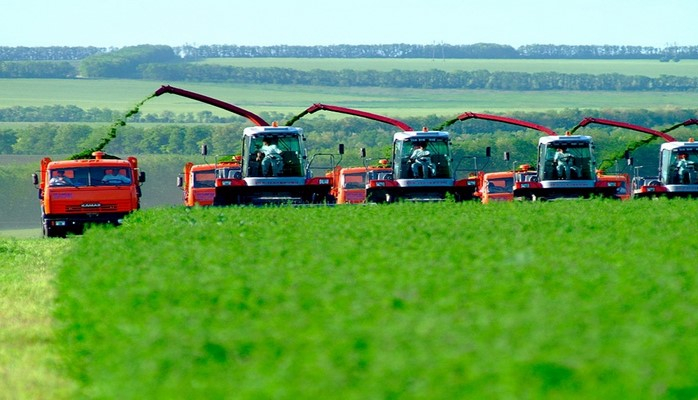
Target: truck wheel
{"type": "Point", "coordinates": [51, 232]}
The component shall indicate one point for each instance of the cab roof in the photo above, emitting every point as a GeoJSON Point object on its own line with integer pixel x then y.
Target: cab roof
{"type": "Point", "coordinates": [416, 135]}
{"type": "Point", "coordinates": [254, 131]}
{"type": "Point", "coordinates": [565, 139]}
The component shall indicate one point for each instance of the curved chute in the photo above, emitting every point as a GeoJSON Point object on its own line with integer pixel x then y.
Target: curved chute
{"type": "Point", "coordinates": [590, 120]}
{"type": "Point", "coordinates": [687, 122]}
{"type": "Point", "coordinates": [344, 110]}
{"type": "Point", "coordinates": [254, 118]}
{"type": "Point", "coordinates": [497, 118]}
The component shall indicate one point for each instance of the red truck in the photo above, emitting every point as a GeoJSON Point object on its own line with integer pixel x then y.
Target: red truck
{"type": "Point", "coordinates": [76, 193]}
{"type": "Point", "coordinates": [198, 181]}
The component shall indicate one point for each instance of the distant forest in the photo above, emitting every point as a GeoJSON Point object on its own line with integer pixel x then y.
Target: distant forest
{"type": "Point", "coordinates": [165, 63]}
{"type": "Point", "coordinates": [478, 50]}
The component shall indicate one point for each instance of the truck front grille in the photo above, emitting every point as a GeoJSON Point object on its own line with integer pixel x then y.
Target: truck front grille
{"type": "Point", "coordinates": [80, 208]}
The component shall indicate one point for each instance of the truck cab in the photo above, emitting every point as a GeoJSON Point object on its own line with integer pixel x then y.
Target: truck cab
{"type": "Point", "coordinates": [198, 181]}
{"type": "Point", "coordinates": [76, 193]}
{"type": "Point", "coordinates": [350, 182]}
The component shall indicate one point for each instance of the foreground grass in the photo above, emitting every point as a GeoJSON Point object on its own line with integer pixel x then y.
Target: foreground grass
{"type": "Point", "coordinates": [28, 358]}
{"type": "Point", "coordinates": [557, 300]}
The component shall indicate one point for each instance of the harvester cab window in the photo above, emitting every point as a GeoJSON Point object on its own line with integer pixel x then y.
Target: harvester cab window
{"type": "Point", "coordinates": [277, 155]}
{"type": "Point", "coordinates": [681, 166]}
{"type": "Point", "coordinates": [567, 161]}
{"type": "Point", "coordinates": [425, 158]}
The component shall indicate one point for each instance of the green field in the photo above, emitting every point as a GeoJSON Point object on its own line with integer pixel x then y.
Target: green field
{"type": "Point", "coordinates": [408, 301]}
{"type": "Point", "coordinates": [651, 68]}
{"type": "Point", "coordinates": [290, 100]}
{"type": "Point", "coordinates": [573, 300]}
{"type": "Point", "coordinates": [29, 359]}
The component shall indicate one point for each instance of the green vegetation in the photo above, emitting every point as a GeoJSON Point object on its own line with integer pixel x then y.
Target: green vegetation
{"type": "Point", "coordinates": [29, 363]}
{"type": "Point", "coordinates": [442, 301]}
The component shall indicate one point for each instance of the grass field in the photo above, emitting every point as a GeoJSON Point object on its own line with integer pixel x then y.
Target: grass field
{"type": "Point", "coordinates": [29, 362]}
{"type": "Point", "coordinates": [651, 68]}
{"type": "Point", "coordinates": [571, 300]}
{"type": "Point", "coordinates": [125, 94]}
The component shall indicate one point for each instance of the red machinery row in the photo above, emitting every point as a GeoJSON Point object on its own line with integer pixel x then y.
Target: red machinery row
{"type": "Point", "coordinates": [274, 168]}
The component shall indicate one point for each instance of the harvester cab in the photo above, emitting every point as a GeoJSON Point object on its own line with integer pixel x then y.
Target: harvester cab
{"type": "Point", "coordinates": [664, 184]}
{"type": "Point", "coordinates": [273, 163]}
{"type": "Point", "coordinates": [677, 170]}
{"type": "Point", "coordinates": [421, 162]}
{"type": "Point", "coordinates": [505, 185]}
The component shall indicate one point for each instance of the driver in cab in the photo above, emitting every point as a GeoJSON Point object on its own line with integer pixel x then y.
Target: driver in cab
{"type": "Point", "coordinates": [111, 177]}
{"type": "Point", "coordinates": [564, 163]}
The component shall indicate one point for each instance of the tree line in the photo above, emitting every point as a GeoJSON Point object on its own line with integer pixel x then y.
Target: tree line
{"type": "Point", "coordinates": [432, 79]}
{"type": "Point", "coordinates": [178, 134]}
{"type": "Point", "coordinates": [163, 63]}
{"type": "Point", "coordinates": [397, 50]}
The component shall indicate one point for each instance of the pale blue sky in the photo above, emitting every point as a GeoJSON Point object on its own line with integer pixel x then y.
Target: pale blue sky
{"type": "Point", "coordinates": [118, 23]}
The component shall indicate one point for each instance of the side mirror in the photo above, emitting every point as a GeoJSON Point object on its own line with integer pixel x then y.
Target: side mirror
{"type": "Point", "coordinates": [506, 156]}
{"type": "Point", "coordinates": [204, 150]}
{"type": "Point", "coordinates": [341, 148]}
{"type": "Point", "coordinates": [180, 181]}
{"type": "Point", "coordinates": [35, 179]}
{"type": "Point", "coordinates": [141, 177]}
{"type": "Point", "coordinates": [363, 152]}
{"type": "Point", "coordinates": [630, 161]}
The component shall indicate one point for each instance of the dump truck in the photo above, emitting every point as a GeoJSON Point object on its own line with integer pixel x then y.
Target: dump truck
{"type": "Point", "coordinates": [76, 193]}
{"type": "Point", "coordinates": [281, 176]}
{"type": "Point", "coordinates": [429, 177]}
{"type": "Point", "coordinates": [198, 181]}
{"type": "Point", "coordinates": [350, 182]}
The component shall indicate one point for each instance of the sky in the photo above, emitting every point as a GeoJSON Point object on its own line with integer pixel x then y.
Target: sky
{"type": "Point", "coordinates": [119, 23]}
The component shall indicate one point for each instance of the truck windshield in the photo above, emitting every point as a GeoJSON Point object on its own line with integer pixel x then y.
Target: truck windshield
{"type": "Point", "coordinates": [500, 185]}
{"type": "Point", "coordinates": [89, 176]}
{"type": "Point", "coordinates": [354, 180]}
{"type": "Point", "coordinates": [204, 179]}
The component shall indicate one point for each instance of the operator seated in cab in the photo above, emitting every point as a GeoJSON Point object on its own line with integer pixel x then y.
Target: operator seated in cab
{"type": "Point", "coordinates": [112, 177]}
{"type": "Point", "coordinates": [421, 160]}
{"type": "Point", "coordinates": [564, 163]}
{"type": "Point", "coordinates": [270, 155]}
{"type": "Point", "coordinates": [685, 170]}
{"type": "Point", "coordinates": [60, 179]}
